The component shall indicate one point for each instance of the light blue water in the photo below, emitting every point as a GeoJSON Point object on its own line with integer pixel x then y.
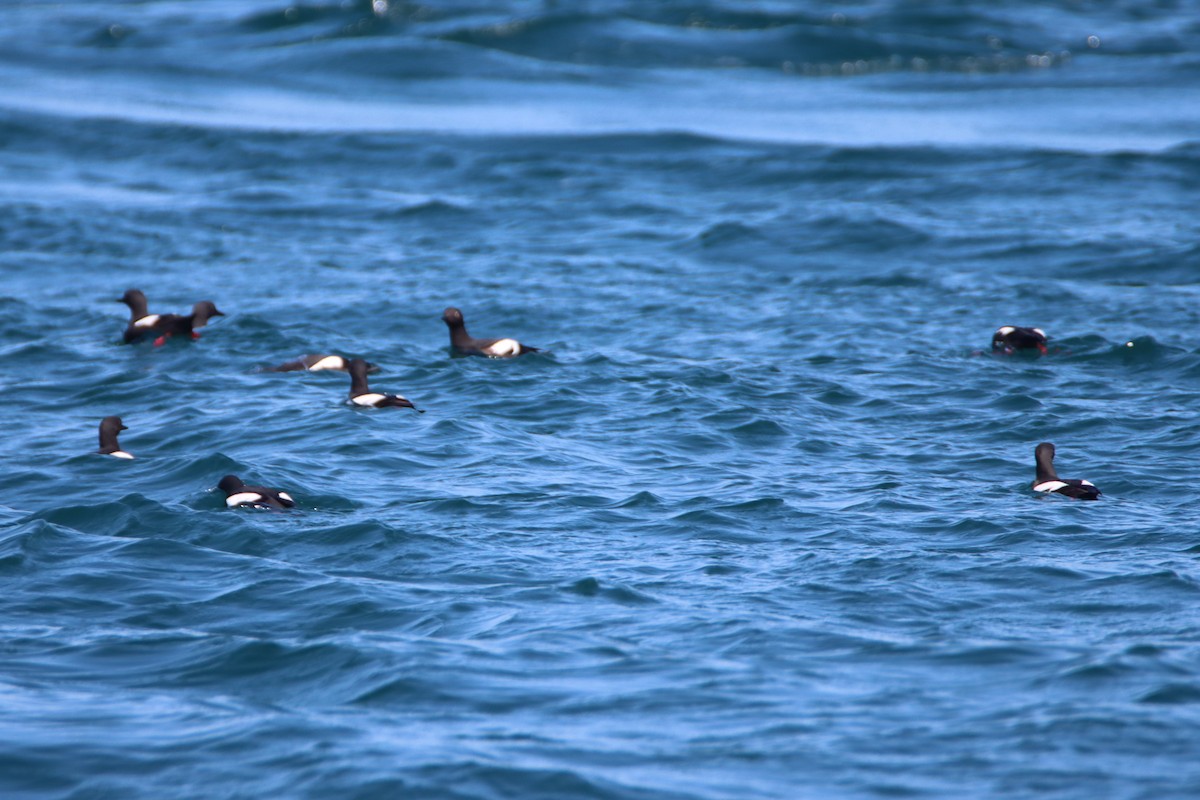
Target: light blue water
{"type": "Point", "coordinates": [755, 523]}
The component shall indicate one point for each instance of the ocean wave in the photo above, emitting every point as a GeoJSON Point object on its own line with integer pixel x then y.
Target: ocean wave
{"type": "Point", "coordinates": [760, 513]}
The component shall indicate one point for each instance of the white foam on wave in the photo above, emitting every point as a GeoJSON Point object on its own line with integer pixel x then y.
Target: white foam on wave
{"type": "Point", "coordinates": [883, 110]}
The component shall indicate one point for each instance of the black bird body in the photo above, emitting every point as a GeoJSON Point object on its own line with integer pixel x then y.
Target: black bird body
{"type": "Point", "coordinates": [1047, 480]}
{"type": "Point", "coordinates": [464, 343]}
{"type": "Point", "coordinates": [239, 495]}
{"type": "Point", "coordinates": [1010, 338]}
{"type": "Point", "coordinates": [318, 362]}
{"type": "Point", "coordinates": [109, 428]}
{"type": "Point", "coordinates": [361, 394]}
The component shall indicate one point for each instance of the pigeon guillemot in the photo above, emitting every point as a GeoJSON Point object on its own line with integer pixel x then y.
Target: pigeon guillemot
{"type": "Point", "coordinates": [141, 321]}
{"type": "Point", "coordinates": [1010, 339]}
{"type": "Point", "coordinates": [164, 326]}
{"type": "Point", "coordinates": [361, 394]}
{"type": "Point", "coordinates": [239, 494]}
{"type": "Point", "coordinates": [1048, 480]}
{"type": "Point", "coordinates": [109, 428]}
{"type": "Point", "coordinates": [317, 362]}
{"type": "Point", "coordinates": [466, 344]}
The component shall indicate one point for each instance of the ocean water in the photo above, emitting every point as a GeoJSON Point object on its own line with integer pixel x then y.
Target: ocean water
{"type": "Point", "coordinates": [755, 523]}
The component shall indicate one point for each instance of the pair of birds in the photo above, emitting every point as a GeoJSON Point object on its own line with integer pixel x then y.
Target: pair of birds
{"type": "Point", "coordinates": [236, 492]}
{"type": "Point", "coordinates": [360, 391]}
{"type": "Point", "coordinates": [1047, 481]}
{"type": "Point", "coordinates": [163, 326]}
{"type": "Point", "coordinates": [461, 342]}
{"type": "Point", "coordinates": [1008, 339]}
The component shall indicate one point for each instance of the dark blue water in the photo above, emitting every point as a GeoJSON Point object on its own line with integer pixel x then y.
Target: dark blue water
{"type": "Point", "coordinates": [756, 523]}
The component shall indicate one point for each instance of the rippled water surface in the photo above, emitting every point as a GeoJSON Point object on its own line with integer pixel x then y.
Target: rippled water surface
{"type": "Point", "coordinates": [756, 522]}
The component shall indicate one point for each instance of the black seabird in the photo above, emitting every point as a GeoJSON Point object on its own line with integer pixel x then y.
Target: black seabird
{"type": "Point", "coordinates": [317, 362]}
{"type": "Point", "coordinates": [464, 343]}
{"type": "Point", "coordinates": [361, 394]}
{"type": "Point", "coordinates": [1009, 339]}
{"type": "Point", "coordinates": [238, 494]}
{"type": "Point", "coordinates": [109, 428]}
{"type": "Point", "coordinates": [1049, 482]}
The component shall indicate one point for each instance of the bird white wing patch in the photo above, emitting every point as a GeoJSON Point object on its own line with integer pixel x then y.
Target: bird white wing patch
{"type": "Point", "coordinates": [120, 454]}
{"type": "Point", "coordinates": [243, 497]}
{"type": "Point", "coordinates": [1086, 483]}
{"type": "Point", "coordinates": [148, 321]}
{"type": "Point", "coordinates": [328, 362]}
{"type": "Point", "coordinates": [286, 496]}
{"type": "Point", "coordinates": [503, 348]}
{"type": "Point", "coordinates": [1005, 331]}
{"type": "Point", "coordinates": [369, 399]}
{"type": "Point", "coordinates": [1050, 486]}
{"type": "Point", "coordinates": [1042, 332]}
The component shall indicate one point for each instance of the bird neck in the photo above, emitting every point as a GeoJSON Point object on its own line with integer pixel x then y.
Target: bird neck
{"type": "Point", "coordinates": [1045, 468]}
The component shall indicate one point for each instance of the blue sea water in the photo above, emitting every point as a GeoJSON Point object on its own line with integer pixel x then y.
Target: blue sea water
{"type": "Point", "coordinates": [755, 523]}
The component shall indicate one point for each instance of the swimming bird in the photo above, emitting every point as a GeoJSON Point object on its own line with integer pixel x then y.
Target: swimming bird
{"type": "Point", "coordinates": [317, 362]}
{"type": "Point", "coordinates": [361, 394]}
{"type": "Point", "coordinates": [109, 428]}
{"type": "Point", "coordinates": [239, 494]}
{"type": "Point", "coordinates": [141, 321]}
{"type": "Point", "coordinates": [464, 343]}
{"type": "Point", "coordinates": [1009, 339]}
{"type": "Point", "coordinates": [1048, 480]}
